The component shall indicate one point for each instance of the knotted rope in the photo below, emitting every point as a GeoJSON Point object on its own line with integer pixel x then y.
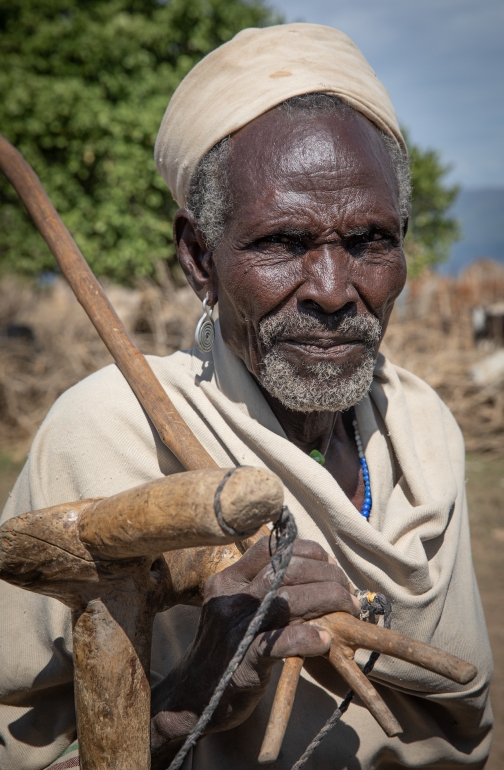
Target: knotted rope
{"type": "Point", "coordinates": [285, 532]}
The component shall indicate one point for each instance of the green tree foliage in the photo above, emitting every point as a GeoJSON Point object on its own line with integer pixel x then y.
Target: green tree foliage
{"type": "Point", "coordinates": [83, 87]}
{"type": "Point", "coordinates": [432, 230]}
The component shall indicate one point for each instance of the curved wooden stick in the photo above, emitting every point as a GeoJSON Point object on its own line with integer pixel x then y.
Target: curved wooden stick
{"type": "Point", "coordinates": [172, 429]}
{"type": "Point", "coordinates": [354, 634]}
{"type": "Point", "coordinates": [348, 635]}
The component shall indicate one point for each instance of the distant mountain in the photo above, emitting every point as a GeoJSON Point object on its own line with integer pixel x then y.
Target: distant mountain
{"type": "Point", "coordinates": [481, 215]}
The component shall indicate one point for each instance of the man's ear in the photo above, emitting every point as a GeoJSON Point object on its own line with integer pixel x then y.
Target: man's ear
{"type": "Point", "coordinates": [195, 259]}
{"type": "Point", "coordinates": [405, 227]}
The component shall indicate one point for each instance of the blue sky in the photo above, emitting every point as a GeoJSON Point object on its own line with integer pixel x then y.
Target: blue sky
{"type": "Point", "coordinates": [443, 64]}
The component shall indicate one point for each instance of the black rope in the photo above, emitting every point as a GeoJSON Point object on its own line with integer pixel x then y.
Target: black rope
{"type": "Point", "coordinates": [285, 532]}
{"type": "Point", "coordinates": [376, 604]}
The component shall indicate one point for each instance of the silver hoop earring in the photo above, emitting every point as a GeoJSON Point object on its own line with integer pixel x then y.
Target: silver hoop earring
{"type": "Point", "coordinates": [204, 335]}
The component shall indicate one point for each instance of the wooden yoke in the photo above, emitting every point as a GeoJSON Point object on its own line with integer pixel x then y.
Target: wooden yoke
{"type": "Point", "coordinates": [96, 734]}
{"type": "Point", "coordinates": [102, 558]}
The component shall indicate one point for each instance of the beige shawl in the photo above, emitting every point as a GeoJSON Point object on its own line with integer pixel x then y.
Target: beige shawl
{"type": "Point", "coordinates": [97, 441]}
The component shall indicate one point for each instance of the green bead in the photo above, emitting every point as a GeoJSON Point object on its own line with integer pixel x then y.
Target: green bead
{"type": "Point", "coordinates": [317, 456]}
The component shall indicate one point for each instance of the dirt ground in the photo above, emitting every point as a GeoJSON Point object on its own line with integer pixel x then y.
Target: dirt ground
{"type": "Point", "coordinates": [485, 487]}
{"type": "Point", "coordinates": [485, 491]}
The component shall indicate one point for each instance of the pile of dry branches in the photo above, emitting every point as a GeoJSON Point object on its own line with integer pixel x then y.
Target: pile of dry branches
{"type": "Point", "coordinates": [431, 334]}
{"type": "Point", "coordinates": [478, 410]}
{"type": "Point", "coordinates": [47, 345]}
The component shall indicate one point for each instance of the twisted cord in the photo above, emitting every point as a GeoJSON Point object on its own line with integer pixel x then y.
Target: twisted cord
{"type": "Point", "coordinates": [285, 531]}
{"type": "Point", "coordinates": [376, 604]}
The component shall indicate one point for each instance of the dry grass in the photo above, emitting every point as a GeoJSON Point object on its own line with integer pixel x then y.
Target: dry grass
{"type": "Point", "coordinates": [426, 352]}
{"type": "Point", "coordinates": [431, 334]}
{"type": "Point", "coordinates": [47, 343]}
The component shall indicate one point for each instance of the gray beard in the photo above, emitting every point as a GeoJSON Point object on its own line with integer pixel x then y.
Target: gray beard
{"type": "Point", "coordinates": [324, 386]}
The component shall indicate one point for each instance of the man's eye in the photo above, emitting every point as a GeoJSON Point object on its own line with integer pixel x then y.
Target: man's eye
{"type": "Point", "coordinates": [283, 239]}
{"type": "Point", "coordinates": [369, 239]}
{"type": "Point", "coordinates": [288, 243]}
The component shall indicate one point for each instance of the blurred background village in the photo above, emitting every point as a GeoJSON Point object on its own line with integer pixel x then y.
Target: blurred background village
{"type": "Point", "coordinates": [83, 86]}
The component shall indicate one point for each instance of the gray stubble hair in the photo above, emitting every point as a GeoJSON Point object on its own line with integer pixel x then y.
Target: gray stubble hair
{"type": "Point", "coordinates": [325, 385]}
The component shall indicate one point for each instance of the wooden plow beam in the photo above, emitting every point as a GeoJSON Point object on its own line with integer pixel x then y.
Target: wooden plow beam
{"type": "Point", "coordinates": [102, 558]}
{"type": "Point", "coordinates": [347, 634]}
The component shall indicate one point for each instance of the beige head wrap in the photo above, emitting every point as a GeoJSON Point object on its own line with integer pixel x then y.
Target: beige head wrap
{"type": "Point", "coordinates": [252, 73]}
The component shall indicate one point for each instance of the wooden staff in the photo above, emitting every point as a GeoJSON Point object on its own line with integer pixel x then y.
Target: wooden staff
{"type": "Point", "coordinates": [172, 429]}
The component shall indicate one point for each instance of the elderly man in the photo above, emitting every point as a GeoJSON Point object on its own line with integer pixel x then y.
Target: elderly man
{"type": "Point", "coordinates": [284, 152]}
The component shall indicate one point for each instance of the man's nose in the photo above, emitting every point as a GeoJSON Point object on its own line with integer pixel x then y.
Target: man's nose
{"type": "Point", "coordinates": [327, 283]}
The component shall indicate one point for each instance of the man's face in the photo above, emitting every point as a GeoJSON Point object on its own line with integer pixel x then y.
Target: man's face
{"type": "Point", "coordinates": [311, 260]}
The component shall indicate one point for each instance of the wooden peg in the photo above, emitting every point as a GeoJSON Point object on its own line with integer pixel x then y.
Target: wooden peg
{"type": "Point", "coordinates": [281, 710]}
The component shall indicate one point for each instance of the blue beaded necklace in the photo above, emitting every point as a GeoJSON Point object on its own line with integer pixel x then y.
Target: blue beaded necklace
{"type": "Point", "coordinates": [319, 457]}
{"type": "Point", "coordinates": [368, 500]}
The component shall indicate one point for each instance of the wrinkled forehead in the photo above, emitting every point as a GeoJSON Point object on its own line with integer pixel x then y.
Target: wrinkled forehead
{"type": "Point", "coordinates": [308, 154]}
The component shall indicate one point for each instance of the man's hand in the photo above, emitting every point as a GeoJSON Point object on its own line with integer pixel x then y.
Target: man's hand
{"type": "Point", "coordinates": [312, 587]}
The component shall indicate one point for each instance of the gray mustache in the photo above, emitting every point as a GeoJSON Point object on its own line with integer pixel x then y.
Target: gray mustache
{"type": "Point", "coordinates": [280, 327]}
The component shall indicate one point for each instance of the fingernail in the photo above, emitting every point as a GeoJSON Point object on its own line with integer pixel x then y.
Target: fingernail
{"type": "Point", "coordinates": [325, 637]}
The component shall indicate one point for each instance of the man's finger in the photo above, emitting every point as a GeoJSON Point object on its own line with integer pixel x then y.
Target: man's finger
{"type": "Point", "coordinates": [302, 639]}
{"type": "Point", "coordinates": [300, 571]}
{"type": "Point", "coordinates": [258, 558]}
{"type": "Point", "coordinates": [293, 604]}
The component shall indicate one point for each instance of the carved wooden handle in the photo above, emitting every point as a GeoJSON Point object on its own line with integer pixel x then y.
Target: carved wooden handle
{"type": "Point", "coordinates": [64, 544]}
{"type": "Point", "coordinates": [179, 512]}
